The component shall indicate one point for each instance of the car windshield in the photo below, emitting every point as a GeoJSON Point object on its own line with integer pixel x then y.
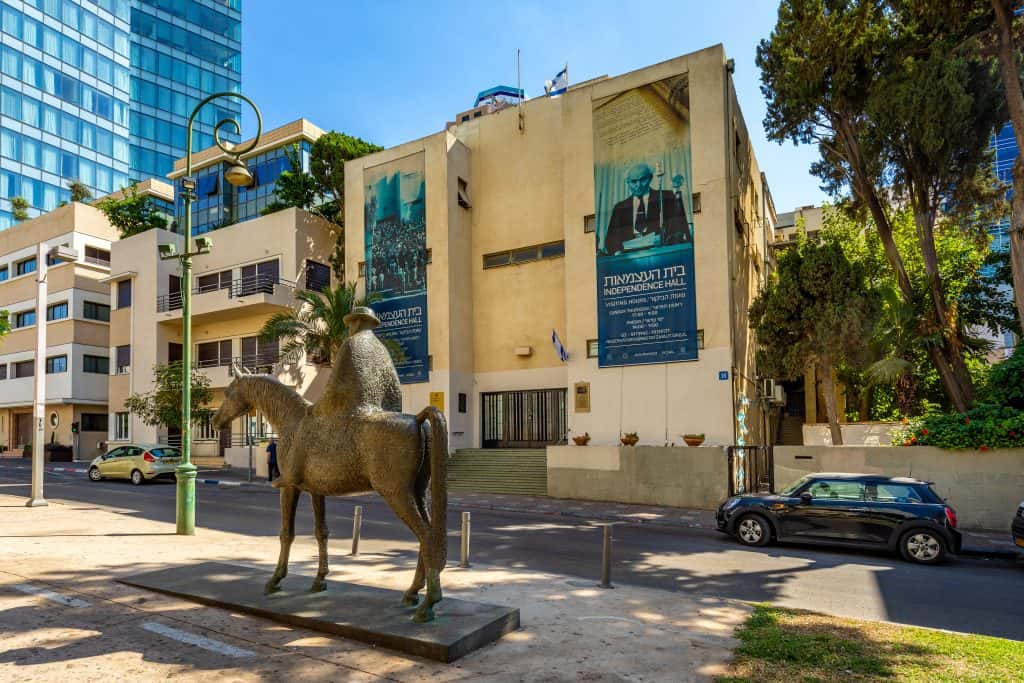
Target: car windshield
{"type": "Point", "coordinates": [792, 488]}
{"type": "Point", "coordinates": [166, 452]}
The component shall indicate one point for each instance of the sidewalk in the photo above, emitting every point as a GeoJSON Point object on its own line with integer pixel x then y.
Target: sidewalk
{"type": "Point", "coordinates": [64, 617]}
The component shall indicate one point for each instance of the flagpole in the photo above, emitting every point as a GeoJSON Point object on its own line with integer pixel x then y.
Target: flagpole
{"type": "Point", "coordinates": [519, 93]}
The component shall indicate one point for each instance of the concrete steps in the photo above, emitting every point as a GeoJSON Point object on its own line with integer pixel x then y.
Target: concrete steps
{"type": "Point", "coordinates": [491, 470]}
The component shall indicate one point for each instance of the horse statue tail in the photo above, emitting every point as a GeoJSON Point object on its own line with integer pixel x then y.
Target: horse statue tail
{"type": "Point", "coordinates": [438, 477]}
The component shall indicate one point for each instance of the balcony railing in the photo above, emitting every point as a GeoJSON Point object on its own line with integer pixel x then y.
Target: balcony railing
{"type": "Point", "coordinates": [245, 286]}
{"type": "Point", "coordinates": [98, 261]}
{"type": "Point", "coordinates": [258, 364]}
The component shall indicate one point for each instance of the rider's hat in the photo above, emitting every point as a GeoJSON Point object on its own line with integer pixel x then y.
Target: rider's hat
{"type": "Point", "coordinates": [365, 314]}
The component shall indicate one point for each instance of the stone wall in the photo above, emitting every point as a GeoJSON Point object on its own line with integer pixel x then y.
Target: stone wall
{"type": "Point", "coordinates": [854, 433]}
{"type": "Point", "coordinates": [984, 487]}
{"type": "Point", "coordinates": [653, 475]}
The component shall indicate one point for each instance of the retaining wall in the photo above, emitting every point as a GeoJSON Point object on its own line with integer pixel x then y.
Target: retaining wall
{"type": "Point", "coordinates": [984, 487]}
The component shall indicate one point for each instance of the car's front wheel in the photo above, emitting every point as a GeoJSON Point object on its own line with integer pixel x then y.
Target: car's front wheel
{"type": "Point", "coordinates": [923, 546]}
{"type": "Point", "coordinates": [753, 530]}
{"type": "Point", "coordinates": [137, 477]}
{"type": "Point", "coordinates": [94, 474]}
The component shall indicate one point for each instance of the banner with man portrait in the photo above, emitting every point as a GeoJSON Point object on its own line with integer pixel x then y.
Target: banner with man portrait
{"type": "Point", "coordinates": [396, 258]}
{"type": "Point", "coordinates": [646, 308]}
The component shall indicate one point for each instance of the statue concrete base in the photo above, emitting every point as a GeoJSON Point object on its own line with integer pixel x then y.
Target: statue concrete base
{"type": "Point", "coordinates": [364, 613]}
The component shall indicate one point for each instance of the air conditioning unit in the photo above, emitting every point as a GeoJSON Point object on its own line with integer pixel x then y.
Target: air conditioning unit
{"type": "Point", "coordinates": [767, 388]}
{"type": "Point", "coordinates": [778, 396]}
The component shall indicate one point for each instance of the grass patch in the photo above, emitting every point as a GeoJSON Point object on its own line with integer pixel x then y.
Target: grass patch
{"type": "Point", "coordinates": [797, 646]}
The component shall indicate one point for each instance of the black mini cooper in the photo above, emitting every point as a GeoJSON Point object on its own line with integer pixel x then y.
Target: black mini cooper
{"type": "Point", "coordinates": [852, 510]}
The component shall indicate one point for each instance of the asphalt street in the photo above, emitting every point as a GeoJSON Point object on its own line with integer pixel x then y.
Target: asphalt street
{"type": "Point", "coordinates": [977, 595]}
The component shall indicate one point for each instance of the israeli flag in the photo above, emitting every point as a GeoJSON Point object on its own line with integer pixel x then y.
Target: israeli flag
{"type": "Point", "coordinates": [563, 355]}
{"type": "Point", "coordinates": [559, 84]}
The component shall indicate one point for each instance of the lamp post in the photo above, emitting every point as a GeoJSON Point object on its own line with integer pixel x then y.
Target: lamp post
{"type": "Point", "coordinates": [43, 255]}
{"type": "Point", "coordinates": [237, 175]}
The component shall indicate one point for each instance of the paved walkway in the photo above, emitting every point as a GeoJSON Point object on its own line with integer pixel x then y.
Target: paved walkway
{"type": "Point", "coordinates": [63, 615]}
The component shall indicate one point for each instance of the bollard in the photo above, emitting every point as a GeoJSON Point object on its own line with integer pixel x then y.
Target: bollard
{"type": "Point", "coordinates": [357, 523]}
{"type": "Point", "coordinates": [606, 558]}
{"type": "Point", "coordinates": [465, 540]}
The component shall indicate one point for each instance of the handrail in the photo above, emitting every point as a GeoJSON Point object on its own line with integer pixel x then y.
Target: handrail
{"type": "Point", "coordinates": [244, 286]}
{"type": "Point", "coordinates": [257, 364]}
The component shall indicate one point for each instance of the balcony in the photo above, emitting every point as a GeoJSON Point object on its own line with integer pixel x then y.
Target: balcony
{"type": "Point", "coordinates": [245, 296]}
{"type": "Point", "coordinates": [220, 370]}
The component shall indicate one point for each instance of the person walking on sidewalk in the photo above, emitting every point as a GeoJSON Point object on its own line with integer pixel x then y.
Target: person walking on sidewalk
{"type": "Point", "coordinates": [272, 471]}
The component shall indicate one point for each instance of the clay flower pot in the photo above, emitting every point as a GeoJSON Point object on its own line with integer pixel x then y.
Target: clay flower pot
{"type": "Point", "coordinates": [581, 439]}
{"type": "Point", "coordinates": [629, 439]}
{"type": "Point", "coordinates": [693, 439]}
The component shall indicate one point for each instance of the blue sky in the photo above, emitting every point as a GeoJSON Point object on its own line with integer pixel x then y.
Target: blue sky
{"type": "Point", "coordinates": [394, 71]}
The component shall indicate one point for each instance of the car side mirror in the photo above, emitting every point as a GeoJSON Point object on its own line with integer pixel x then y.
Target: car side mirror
{"type": "Point", "coordinates": [806, 497]}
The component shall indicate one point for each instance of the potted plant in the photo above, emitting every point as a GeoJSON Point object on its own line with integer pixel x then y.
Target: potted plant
{"type": "Point", "coordinates": [693, 439]}
{"type": "Point", "coordinates": [629, 438]}
{"type": "Point", "coordinates": [581, 439]}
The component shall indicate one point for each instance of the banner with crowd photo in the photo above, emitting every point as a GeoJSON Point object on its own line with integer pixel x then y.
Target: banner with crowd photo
{"type": "Point", "coordinates": [396, 258]}
{"type": "Point", "coordinates": [646, 308]}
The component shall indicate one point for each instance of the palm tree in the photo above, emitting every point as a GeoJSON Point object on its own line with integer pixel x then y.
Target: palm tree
{"type": "Point", "coordinates": [317, 326]}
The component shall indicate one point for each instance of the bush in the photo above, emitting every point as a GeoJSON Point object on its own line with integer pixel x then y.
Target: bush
{"type": "Point", "coordinates": [984, 427]}
{"type": "Point", "coordinates": [1005, 384]}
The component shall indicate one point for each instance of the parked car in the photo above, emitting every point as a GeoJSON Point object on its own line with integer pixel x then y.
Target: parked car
{"type": "Point", "coordinates": [852, 510]}
{"type": "Point", "coordinates": [1017, 528]}
{"type": "Point", "coordinates": [136, 462]}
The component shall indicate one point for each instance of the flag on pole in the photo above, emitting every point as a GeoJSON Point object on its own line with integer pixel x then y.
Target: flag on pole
{"type": "Point", "coordinates": [563, 355]}
{"type": "Point", "coordinates": [559, 84]}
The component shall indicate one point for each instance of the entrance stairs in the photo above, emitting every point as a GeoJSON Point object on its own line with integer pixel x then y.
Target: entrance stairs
{"type": "Point", "coordinates": [499, 470]}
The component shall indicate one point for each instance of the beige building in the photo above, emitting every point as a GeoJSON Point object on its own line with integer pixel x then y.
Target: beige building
{"type": "Point", "coordinates": [77, 318]}
{"type": "Point", "coordinates": [510, 237]}
{"type": "Point", "coordinates": [809, 219]}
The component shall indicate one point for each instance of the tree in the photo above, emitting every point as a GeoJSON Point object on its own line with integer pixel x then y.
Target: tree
{"type": "Point", "coordinates": [317, 327]}
{"type": "Point", "coordinates": [162, 405]}
{"type": "Point", "coordinates": [295, 187]}
{"type": "Point", "coordinates": [19, 209]}
{"type": "Point", "coordinates": [132, 213]}
{"type": "Point", "coordinates": [80, 192]}
{"type": "Point", "coordinates": [817, 309]}
{"type": "Point", "coordinates": [898, 117]}
{"type": "Point", "coordinates": [327, 165]}
{"type": "Point", "coordinates": [5, 322]}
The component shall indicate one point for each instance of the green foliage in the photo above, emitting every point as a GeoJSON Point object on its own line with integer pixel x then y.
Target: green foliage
{"type": "Point", "coordinates": [1005, 381]}
{"type": "Point", "coordinates": [80, 192]}
{"type": "Point", "coordinates": [295, 187]}
{"type": "Point", "coordinates": [162, 405]}
{"type": "Point", "coordinates": [818, 306]}
{"type": "Point", "coordinates": [317, 327]}
{"type": "Point", "coordinates": [132, 213]}
{"type": "Point", "coordinates": [19, 209]}
{"type": "Point", "coordinates": [5, 322]}
{"type": "Point", "coordinates": [327, 164]}
{"type": "Point", "coordinates": [984, 427]}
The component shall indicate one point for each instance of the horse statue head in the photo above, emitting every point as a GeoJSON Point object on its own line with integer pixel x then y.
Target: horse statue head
{"type": "Point", "coordinates": [236, 402]}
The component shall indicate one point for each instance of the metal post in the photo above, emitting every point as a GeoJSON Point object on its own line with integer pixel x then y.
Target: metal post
{"type": "Point", "coordinates": [606, 558]}
{"type": "Point", "coordinates": [250, 437]}
{"type": "Point", "coordinates": [464, 562]}
{"type": "Point", "coordinates": [357, 523]}
{"type": "Point", "coordinates": [39, 400]}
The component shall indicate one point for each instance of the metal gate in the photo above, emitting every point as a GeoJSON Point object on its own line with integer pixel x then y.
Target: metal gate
{"type": "Point", "coordinates": [751, 469]}
{"type": "Point", "coordinates": [523, 419]}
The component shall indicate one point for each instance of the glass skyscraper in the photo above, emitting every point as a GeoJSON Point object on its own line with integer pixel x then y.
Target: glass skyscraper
{"type": "Point", "coordinates": [99, 91]}
{"type": "Point", "coordinates": [1004, 146]}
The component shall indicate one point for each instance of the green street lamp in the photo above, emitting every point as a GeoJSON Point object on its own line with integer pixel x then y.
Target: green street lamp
{"type": "Point", "coordinates": [237, 175]}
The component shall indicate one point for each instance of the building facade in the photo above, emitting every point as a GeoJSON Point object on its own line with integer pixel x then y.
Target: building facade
{"type": "Point", "coordinates": [514, 214]}
{"type": "Point", "coordinates": [99, 91]}
{"type": "Point", "coordinates": [77, 317]}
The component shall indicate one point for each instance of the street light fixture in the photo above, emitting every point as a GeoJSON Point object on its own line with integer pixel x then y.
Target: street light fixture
{"type": "Point", "coordinates": [59, 254]}
{"type": "Point", "coordinates": [237, 174]}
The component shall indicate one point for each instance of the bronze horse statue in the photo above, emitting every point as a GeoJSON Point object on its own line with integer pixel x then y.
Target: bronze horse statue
{"type": "Point", "coordinates": [354, 440]}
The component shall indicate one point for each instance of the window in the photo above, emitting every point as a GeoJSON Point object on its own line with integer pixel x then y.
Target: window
{"type": "Point", "coordinates": [3, 273]}
{"type": "Point", "coordinates": [206, 431]}
{"type": "Point", "coordinates": [592, 348]}
{"type": "Point", "coordinates": [3, 370]}
{"type": "Point", "coordinates": [99, 257]}
{"type": "Point", "coordinates": [25, 368]}
{"type": "Point", "coordinates": [123, 354]}
{"type": "Point", "coordinates": [895, 493]}
{"type": "Point", "coordinates": [25, 267]}
{"type": "Point", "coordinates": [213, 282]}
{"type": "Point", "coordinates": [94, 422]}
{"type": "Point", "coordinates": [121, 426]}
{"type": "Point", "coordinates": [318, 276]}
{"type": "Point", "coordinates": [124, 294]}
{"type": "Point", "coordinates": [525, 254]}
{"type": "Point", "coordinates": [95, 311]}
{"type": "Point", "coordinates": [57, 311]}
{"type": "Point", "coordinates": [590, 223]}
{"type": "Point", "coordinates": [700, 339]}
{"type": "Point", "coordinates": [695, 202]}
{"type": "Point", "coordinates": [837, 489]}
{"type": "Point", "coordinates": [362, 269]}
{"type": "Point", "coordinates": [462, 403]}
{"type": "Point", "coordinates": [56, 364]}
{"type": "Point", "coordinates": [212, 354]}
{"type": "Point", "coordinates": [24, 318]}
{"type": "Point", "coordinates": [97, 365]}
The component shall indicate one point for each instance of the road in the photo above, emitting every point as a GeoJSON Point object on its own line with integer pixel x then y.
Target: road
{"type": "Point", "coordinates": [976, 595]}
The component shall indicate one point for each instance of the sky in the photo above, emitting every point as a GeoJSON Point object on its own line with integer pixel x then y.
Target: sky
{"type": "Point", "coordinates": [394, 71]}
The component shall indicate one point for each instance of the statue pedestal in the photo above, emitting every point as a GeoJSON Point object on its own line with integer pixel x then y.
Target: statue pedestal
{"type": "Point", "coordinates": [364, 613]}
